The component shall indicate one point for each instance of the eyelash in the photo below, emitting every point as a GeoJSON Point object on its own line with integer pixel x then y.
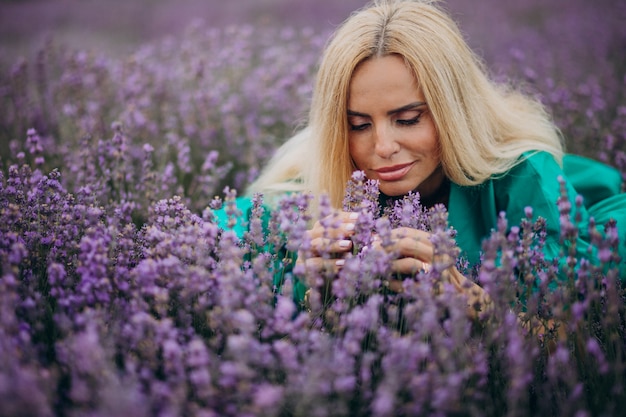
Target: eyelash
{"type": "Point", "coordinates": [410, 122]}
{"type": "Point", "coordinates": [358, 128]}
{"type": "Point", "coordinates": [403, 122]}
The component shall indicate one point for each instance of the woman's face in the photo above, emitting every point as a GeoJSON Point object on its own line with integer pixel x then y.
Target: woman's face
{"type": "Point", "coordinates": [392, 137]}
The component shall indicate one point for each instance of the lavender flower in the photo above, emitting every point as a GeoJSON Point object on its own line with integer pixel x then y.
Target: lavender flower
{"type": "Point", "coordinates": [119, 294]}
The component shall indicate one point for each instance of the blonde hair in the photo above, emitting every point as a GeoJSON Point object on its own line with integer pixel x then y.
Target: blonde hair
{"type": "Point", "coordinates": [483, 127]}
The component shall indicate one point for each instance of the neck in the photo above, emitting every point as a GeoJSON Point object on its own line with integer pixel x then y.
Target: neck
{"type": "Point", "coordinates": [435, 189]}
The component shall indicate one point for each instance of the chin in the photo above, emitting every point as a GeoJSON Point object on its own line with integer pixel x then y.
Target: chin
{"type": "Point", "coordinates": [395, 191]}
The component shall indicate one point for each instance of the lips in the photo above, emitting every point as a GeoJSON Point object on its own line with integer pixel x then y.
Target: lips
{"type": "Point", "coordinates": [393, 173]}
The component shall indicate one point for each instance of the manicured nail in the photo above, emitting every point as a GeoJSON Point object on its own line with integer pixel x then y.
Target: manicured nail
{"type": "Point", "coordinates": [345, 243]}
{"type": "Point", "coordinates": [354, 216]}
{"type": "Point", "coordinates": [349, 227]}
{"type": "Point", "coordinates": [340, 262]}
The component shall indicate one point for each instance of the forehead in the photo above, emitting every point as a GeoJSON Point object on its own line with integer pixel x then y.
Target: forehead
{"type": "Point", "coordinates": [387, 66]}
{"type": "Point", "coordinates": [380, 79]}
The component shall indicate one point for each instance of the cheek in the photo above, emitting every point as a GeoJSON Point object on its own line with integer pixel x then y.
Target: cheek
{"type": "Point", "coordinates": [427, 142]}
{"type": "Point", "coordinates": [436, 146]}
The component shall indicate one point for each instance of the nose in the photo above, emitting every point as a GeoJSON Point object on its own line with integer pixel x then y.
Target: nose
{"type": "Point", "coordinates": [385, 144]}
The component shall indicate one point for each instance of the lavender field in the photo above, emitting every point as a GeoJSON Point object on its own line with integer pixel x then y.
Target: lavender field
{"type": "Point", "coordinates": [119, 295]}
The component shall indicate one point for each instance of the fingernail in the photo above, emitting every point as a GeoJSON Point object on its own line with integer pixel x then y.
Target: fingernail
{"type": "Point", "coordinates": [340, 262]}
{"type": "Point", "coordinates": [354, 216]}
{"type": "Point", "coordinates": [344, 243]}
{"type": "Point", "coordinates": [349, 227]}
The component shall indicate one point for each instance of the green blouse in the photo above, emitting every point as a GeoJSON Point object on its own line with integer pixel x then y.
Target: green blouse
{"type": "Point", "coordinates": [473, 211]}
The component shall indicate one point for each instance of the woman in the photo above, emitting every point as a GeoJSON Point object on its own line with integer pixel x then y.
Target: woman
{"type": "Point", "coordinates": [400, 96]}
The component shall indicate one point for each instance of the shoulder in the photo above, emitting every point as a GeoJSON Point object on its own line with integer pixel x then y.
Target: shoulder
{"type": "Point", "coordinates": [535, 182]}
{"type": "Point", "coordinates": [538, 164]}
{"type": "Point", "coordinates": [535, 173]}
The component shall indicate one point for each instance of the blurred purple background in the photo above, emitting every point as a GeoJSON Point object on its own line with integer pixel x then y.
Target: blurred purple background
{"type": "Point", "coordinates": [119, 26]}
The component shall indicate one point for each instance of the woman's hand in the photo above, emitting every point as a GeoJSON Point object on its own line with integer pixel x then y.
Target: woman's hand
{"type": "Point", "coordinates": [415, 252]}
{"type": "Point", "coordinates": [412, 252]}
{"type": "Point", "coordinates": [412, 249]}
{"type": "Point", "coordinates": [329, 243]}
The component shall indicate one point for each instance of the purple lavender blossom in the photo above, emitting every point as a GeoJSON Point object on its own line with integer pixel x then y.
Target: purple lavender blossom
{"type": "Point", "coordinates": [119, 295]}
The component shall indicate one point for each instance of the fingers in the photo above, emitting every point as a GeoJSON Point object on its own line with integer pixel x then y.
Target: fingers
{"type": "Point", "coordinates": [322, 265]}
{"type": "Point", "coordinates": [336, 226]}
{"type": "Point", "coordinates": [394, 285]}
{"type": "Point", "coordinates": [405, 242]}
{"type": "Point", "coordinates": [329, 243]}
{"type": "Point", "coordinates": [321, 246]}
{"type": "Point", "coordinates": [325, 253]}
{"type": "Point", "coordinates": [409, 266]}
{"type": "Point", "coordinates": [412, 243]}
{"type": "Point", "coordinates": [411, 249]}
{"type": "Point", "coordinates": [331, 235]}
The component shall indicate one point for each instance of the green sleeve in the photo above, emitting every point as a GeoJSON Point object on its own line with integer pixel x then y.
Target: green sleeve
{"type": "Point", "coordinates": [598, 184]}
{"type": "Point", "coordinates": [535, 183]}
{"type": "Point", "coordinates": [473, 211]}
{"type": "Point", "coordinates": [593, 180]}
{"type": "Point", "coordinates": [244, 205]}
{"type": "Point", "coordinates": [282, 269]}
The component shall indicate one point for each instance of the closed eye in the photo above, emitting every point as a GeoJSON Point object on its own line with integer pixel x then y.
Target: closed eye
{"type": "Point", "coordinates": [359, 127]}
{"type": "Point", "coordinates": [409, 122]}
{"type": "Point", "coordinates": [358, 121]}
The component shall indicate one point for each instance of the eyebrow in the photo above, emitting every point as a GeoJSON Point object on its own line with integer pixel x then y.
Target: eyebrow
{"type": "Point", "coordinates": [410, 106]}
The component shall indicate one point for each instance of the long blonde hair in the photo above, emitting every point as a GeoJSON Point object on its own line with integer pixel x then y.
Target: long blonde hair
{"type": "Point", "coordinates": [483, 127]}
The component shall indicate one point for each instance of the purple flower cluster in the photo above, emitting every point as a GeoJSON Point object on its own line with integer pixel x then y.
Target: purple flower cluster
{"type": "Point", "coordinates": [175, 118]}
{"type": "Point", "coordinates": [178, 317]}
{"type": "Point", "coordinates": [120, 295]}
